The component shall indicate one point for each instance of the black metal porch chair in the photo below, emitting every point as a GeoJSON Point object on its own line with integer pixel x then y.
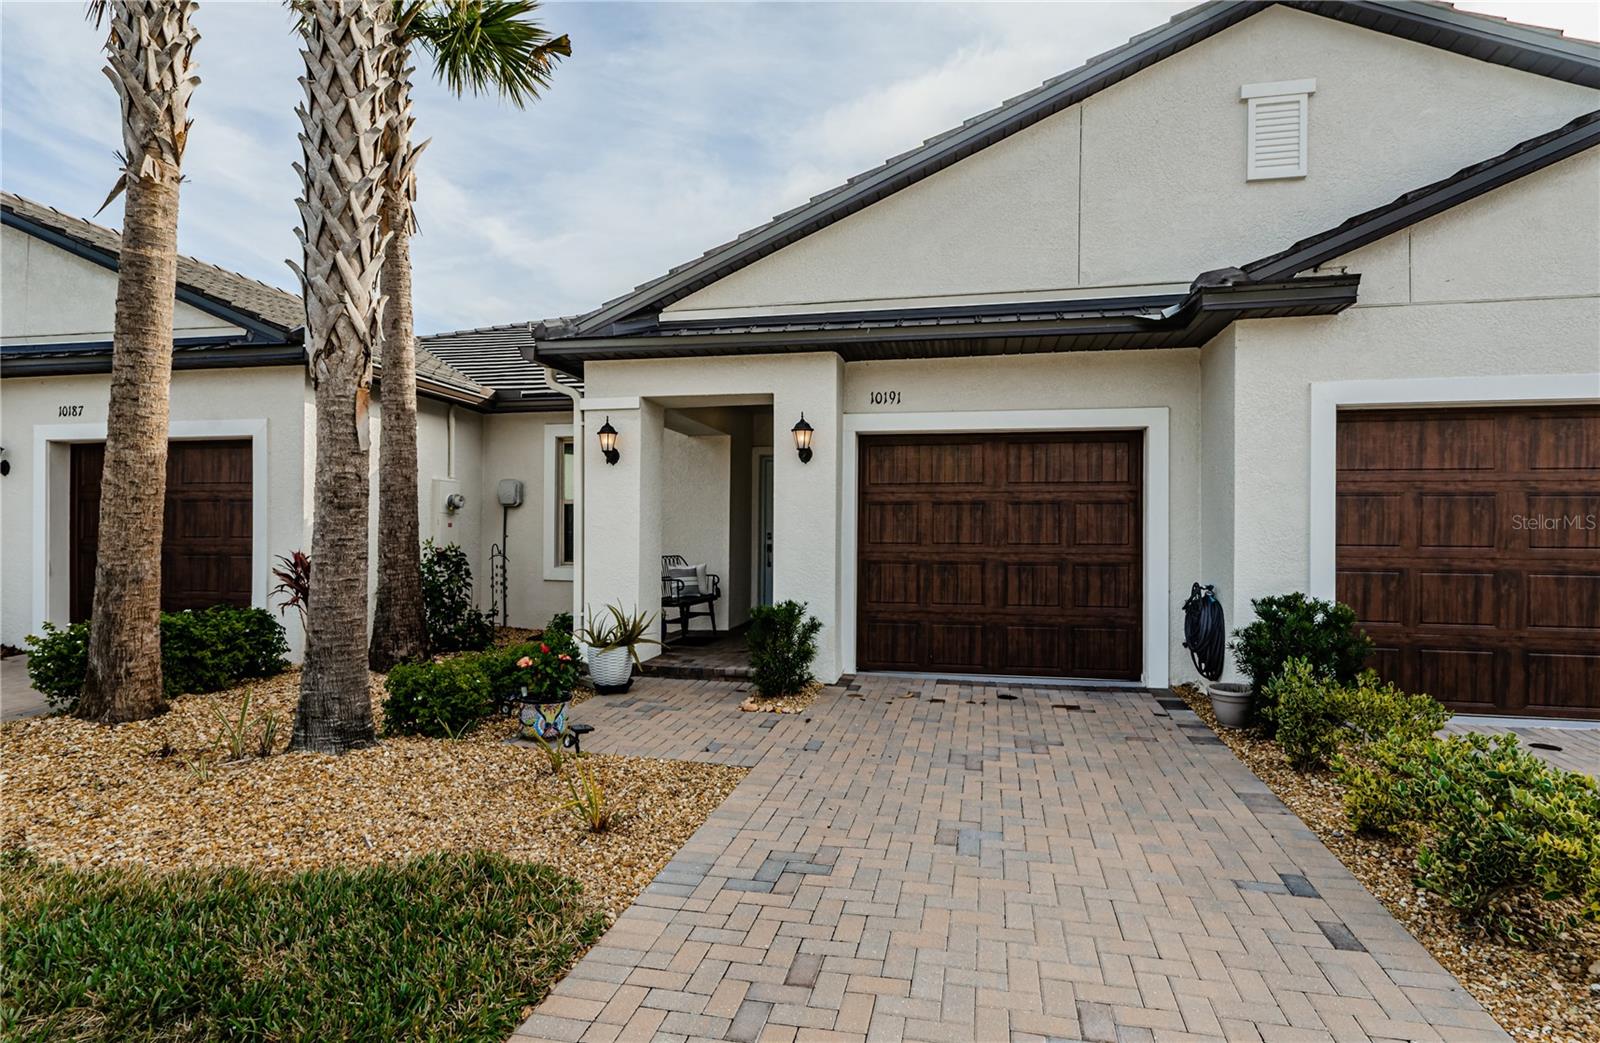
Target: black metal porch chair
{"type": "Point", "coordinates": [677, 593]}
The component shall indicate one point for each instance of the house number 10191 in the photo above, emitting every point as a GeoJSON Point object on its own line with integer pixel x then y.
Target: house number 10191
{"type": "Point", "coordinates": [883, 398]}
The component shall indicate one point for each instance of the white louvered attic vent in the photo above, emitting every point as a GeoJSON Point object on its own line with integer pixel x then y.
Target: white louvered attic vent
{"type": "Point", "coordinates": [1277, 141]}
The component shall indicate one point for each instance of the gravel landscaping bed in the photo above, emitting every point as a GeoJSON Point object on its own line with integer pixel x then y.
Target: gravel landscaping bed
{"type": "Point", "coordinates": [1542, 994]}
{"type": "Point", "coordinates": [161, 793]}
{"type": "Point", "coordinates": [799, 703]}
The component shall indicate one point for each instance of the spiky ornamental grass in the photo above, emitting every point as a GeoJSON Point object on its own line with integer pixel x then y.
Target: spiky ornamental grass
{"type": "Point", "coordinates": [442, 947]}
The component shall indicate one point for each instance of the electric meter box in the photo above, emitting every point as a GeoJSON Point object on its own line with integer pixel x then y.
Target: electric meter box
{"type": "Point", "coordinates": [510, 492]}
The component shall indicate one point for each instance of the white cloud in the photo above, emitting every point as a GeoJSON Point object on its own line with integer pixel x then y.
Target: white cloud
{"type": "Point", "coordinates": [672, 128]}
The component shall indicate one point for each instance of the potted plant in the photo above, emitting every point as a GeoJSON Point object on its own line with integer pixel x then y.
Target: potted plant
{"type": "Point", "coordinates": [611, 646]}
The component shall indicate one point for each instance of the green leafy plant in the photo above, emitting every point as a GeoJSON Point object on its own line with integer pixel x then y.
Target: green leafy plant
{"type": "Point", "coordinates": [589, 801]}
{"type": "Point", "coordinates": [1505, 833]}
{"type": "Point", "coordinates": [1372, 709]}
{"type": "Point", "coordinates": [618, 629]}
{"type": "Point", "coordinates": [203, 650]}
{"type": "Point", "coordinates": [235, 730]}
{"type": "Point", "coordinates": [58, 663]}
{"type": "Point", "coordinates": [268, 742]}
{"type": "Point", "coordinates": [1291, 626]}
{"type": "Point", "coordinates": [446, 947]}
{"type": "Point", "coordinates": [1307, 712]}
{"type": "Point", "coordinates": [782, 641]}
{"type": "Point", "coordinates": [560, 623]}
{"type": "Point", "coordinates": [454, 622]}
{"type": "Point", "coordinates": [555, 755]}
{"type": "Point", "coordinates": [440, 700]}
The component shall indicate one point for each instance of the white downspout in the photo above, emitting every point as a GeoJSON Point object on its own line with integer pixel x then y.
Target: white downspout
{"type": "Point", "coordinates": [579, 444]}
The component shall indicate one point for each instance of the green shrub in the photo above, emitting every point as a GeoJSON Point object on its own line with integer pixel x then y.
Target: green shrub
{"type": "Point", "coordinates": [1293, 626]}
{"type": "Point", "coordinates": [552, 669]}
{"type": "Point", "coordinates": [203, 650]}
{"type": "Point", "coordinates": [1373, 709]}
{"type": "Point", "coordinates": [58, 663]}
{"type": "Point", "coordinates": [443, 700]}
{"type": "Point", "coordinates": [216, 648]}
{"type": "Point", "coordinates": [443, 947]}
{"type": "Point", "coordinates": [783, 642]}
{"type": "Point", "coordinates": [454, 623]}
{"type": "Point", "coordinates": [1306, 710]}
{"type": "Point", "coordinates": [1506, 832]}
{"type": "Point", "coordinates": [560, 623]}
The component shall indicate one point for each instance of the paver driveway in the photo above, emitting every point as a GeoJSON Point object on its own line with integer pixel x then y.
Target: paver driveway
{"type": "Point", "coordinates": [932, 861]}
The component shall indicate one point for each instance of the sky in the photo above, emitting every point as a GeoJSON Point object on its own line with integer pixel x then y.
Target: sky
{"type": "Point", "coordinates": [672, 128]}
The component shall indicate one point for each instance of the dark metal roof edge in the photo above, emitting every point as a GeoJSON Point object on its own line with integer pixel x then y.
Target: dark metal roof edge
{"type": "Point", "coordinates": [1203, 313]}
{"type": "Point", "coordinates": [1419, 204]}
{"type": "Point", "coordinates": [1140, 302]}
{"type": "Point", "coordinates": [1434, 25]}
{"type": "Point", "coordinates": [239, 356]}
{"type": "Point", "coordinates": [254, 325]}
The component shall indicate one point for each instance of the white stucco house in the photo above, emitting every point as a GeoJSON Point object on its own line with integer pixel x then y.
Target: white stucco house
{"type": "Point", "coordinates": [1275, 297]}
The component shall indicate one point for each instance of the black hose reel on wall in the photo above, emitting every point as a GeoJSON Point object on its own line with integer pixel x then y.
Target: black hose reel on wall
{"type": "Point", "coordinates": [1205, 631]}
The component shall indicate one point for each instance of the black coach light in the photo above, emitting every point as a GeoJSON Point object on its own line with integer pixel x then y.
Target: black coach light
{"type": "Point", "coordinates": [802, 439]}
{"type": "Point", "coordinates": [608, 442]}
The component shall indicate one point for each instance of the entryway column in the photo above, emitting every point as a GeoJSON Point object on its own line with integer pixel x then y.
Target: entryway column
{"type": "Point", "coordinates": [806, 496]}
{"type": "Point", "coordinates": [622, 516]}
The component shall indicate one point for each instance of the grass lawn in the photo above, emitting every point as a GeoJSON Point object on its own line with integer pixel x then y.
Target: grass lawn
{"type": "Point", "coordinates": [443, 947]}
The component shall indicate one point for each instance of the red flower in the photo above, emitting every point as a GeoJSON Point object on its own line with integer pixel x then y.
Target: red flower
{"type": "Point", "coordinates": [524, 662]}
{"type": "Point", "coordinates": [564, 657]}
{"type": "Point", "coordinates": [545, 649]}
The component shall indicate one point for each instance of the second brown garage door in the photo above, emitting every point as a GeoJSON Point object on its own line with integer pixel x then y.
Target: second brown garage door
{"type": "Point", "coordinates": [206, 542]}
{"type": "Point", "coordinates": [1000, 554]}
{"type": "Point", "coordinates": [1468, 546]}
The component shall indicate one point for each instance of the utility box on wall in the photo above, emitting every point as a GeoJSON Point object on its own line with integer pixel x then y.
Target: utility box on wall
{"type": "Point", "coordinates": [447, 511]}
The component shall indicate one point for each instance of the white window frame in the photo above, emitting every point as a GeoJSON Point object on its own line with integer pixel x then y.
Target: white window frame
{"type": "Point", "coordinates": [554, 434]}
{"type": "Point", "coordinates": [1256, 94]}
{"type": "Point", "coordinates": [47, 437]}
{"type": "Point", "coordinates": [1155, 630]}
{"type": "Point", "coordinates": [1329, 397]}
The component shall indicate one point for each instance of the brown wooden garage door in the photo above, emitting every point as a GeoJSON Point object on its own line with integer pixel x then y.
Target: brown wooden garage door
{"type": "Point", "coordinates": [1468, 545]}
{"type": "Point", "coordinates": [1000, 554]}
{"type": "Point", "coordinates": [206, 544]}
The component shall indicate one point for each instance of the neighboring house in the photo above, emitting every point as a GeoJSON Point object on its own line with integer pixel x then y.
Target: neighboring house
{"type": "Point", "coordinates": [240, 467]}
{"type": "Point", "coordinates": [1298, 296]}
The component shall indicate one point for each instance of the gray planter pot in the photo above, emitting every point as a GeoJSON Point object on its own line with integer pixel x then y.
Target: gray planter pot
{"type": "Point", "coordinates": [610, 669]}
{"type": "Point", "coordinates": [1230, 702]}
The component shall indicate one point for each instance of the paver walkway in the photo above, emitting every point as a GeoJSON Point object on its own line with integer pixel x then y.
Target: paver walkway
{"type": "Point", "coordinates": [930, 861]}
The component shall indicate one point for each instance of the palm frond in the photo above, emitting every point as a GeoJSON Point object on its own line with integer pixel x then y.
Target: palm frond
{"type": "Point", "coordinates": [95, 11]}
{"type": "Point", "coordinates": [485, 46]}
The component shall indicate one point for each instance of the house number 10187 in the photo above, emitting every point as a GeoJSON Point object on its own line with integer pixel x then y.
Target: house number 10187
{"type": "Point", "coordinates": [883, 398]}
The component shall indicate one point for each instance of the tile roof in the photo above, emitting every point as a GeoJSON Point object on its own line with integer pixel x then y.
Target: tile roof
{"type": "Point", "coordinates": [493, 356]}
{"type": "Point", "coordinates": [267, 304]}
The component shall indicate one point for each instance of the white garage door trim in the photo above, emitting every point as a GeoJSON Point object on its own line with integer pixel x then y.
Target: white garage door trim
{"type": "Point", "coordinates": [1152, 421]}
{"type": "Point", "coordinates": [1328, 397]}
{"type": "Point", "coordinates": [45, 436]}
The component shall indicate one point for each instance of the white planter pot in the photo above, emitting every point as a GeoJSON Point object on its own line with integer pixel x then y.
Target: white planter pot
{"type": "Point", "coordinates": [1230, 702]}
{"type": "Point", "coordinates": [610, 669]}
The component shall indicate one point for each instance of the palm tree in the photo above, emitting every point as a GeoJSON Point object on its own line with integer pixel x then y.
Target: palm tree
{"type": "Point", "coordinates": [149, 60]}
{"type": "Point", "coordinates": [347, 52]}
{"type": "Point", "coordinates": [476, 45]}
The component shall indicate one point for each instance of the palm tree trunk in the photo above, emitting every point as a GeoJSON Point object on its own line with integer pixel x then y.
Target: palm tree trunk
{"type": "Point", "coordinates": [149, 61]}
{"type": "Point", "coordinates": [344, 115]}
{"type": "Point", "coordinates": [399, 632]}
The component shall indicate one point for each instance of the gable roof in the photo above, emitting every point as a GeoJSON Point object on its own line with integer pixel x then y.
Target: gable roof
{"type": "Point", "coordinates": [1529, 48]}
{"type": "Point", "coordinates": [265, 310]}
{"type": "Point", "coordinates": [273, 319]}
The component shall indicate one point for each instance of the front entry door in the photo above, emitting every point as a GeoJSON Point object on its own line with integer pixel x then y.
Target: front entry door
{"type": "Point", "coordinates": [764, 533]}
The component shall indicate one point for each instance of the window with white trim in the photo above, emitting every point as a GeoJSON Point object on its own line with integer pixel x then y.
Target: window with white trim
{"type": "Point", "coordinates": [1277, 141]}
{"type": "Point", "coordinates": [564, 501]}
